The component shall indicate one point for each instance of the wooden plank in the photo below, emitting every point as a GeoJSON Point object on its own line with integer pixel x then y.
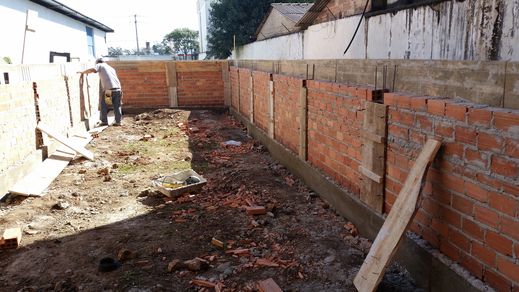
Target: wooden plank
{"type": "Point", "coordinates": [372, 137]}
{"type": "Point", "coordinates": [393, 229]}
{"type": "Point", "coordinates": [171, 70]}
{"type": "Point", "coordinates": [373, 155]}
{"type": "Point", "coordinates": [44, 174]}
{"type": "Point", "coordinates": [373, 176]}
{"type": "Point", "coordinates": [251, 98]}
{"type": "Point", "coordinates": [268, 285]}
{"type": "Point", "coordinates": [66, 141]}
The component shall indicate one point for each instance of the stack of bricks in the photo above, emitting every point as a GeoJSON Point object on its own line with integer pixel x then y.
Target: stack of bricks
{"type": "Point", "coordinates": [470, 209]}
{"type": "Point", "coordinates": [261, 99]}
{"type": "Point", "coordinates": [287, 123]}
{"type": "Point", "coordinates": [335, 116]}
{"type": "Point", "coordinates": [11, 238]}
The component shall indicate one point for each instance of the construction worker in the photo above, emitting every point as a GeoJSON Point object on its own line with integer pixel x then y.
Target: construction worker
{"type": "Point", "coordinates": [111, 89]}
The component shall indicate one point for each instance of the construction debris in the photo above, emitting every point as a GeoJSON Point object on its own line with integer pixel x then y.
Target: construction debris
{"type": "Point", "coordinates": [268, 285]}
{"type": "Point", "coordinates": [11, 238]}
{"type": "Point", "coordinates": [256, 210]}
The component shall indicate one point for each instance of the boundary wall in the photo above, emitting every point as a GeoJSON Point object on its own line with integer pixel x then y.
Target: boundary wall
{"type": "Point", "coordinates": [469, 212]}
{"type": "Point", "coordinates": [53, 94]}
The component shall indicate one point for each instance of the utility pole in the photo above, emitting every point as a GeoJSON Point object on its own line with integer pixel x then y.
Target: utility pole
{"type": "Point", "coordinates": [137, 34]}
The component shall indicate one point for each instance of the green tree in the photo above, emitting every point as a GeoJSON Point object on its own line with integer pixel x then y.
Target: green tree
{"type": "Point", "coordinates": [162, 49]}
{"type": "Point", "coordinates": [183, 40]}
{"type": "Point", "coordinates": [238, 18]}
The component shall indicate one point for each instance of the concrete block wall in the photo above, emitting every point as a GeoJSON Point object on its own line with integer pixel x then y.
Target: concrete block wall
{"type": "Point", "coordinates": [60, 104]}
{"type": "Point", "coordinates": [153, 84]}
{"type": "Point", "coordinates": [335, 116]}
{"type": "Point", "coordinates": [234, 77]}
{"type": "Point", "coordinates": [470, 203]}
{"type": "Point", "coordinates": [470, 209]}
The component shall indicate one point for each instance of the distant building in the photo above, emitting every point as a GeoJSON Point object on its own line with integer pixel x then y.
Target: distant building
{"type": "Point", "coordinates": [281, 20]}
{"type": "Point", "coordinates": [46, 31]}
{"type": "Point", "coordinates": [203, 9]}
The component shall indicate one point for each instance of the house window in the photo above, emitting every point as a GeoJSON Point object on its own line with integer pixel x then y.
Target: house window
{"type": "Point", "coordinates": [90, 41]}
{"type": "Point", "coordinates": [398, 4]}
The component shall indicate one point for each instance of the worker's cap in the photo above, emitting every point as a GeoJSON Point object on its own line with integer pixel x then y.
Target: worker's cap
{"type": "Point", "coordinates": [100, 60]}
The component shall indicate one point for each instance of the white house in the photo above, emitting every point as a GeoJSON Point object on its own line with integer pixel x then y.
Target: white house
{"type": "Point", "coordinates": [43, 31]}
{"type": "Point", "coordinates": [203, 9]}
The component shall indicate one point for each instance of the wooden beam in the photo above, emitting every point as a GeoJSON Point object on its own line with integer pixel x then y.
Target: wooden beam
{"type": "Point", "coordinates": [370, 174]}
{"type": "Point", "coordinates": [303, 118]}
{"type": "Point", "coordinates": [398, 220]}
{"type": "Point", "coordinates": [66, 141]}
{"type": "Point", "coordinates": [35, 183]}
{"type": "Point", "coordinates": [372, 137]}
{"type": "Point", "coordinates": [271, 110]}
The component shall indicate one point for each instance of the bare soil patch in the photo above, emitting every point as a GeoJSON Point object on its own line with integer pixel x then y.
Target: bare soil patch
{"type": "Point", "coordinates": [109, 208]}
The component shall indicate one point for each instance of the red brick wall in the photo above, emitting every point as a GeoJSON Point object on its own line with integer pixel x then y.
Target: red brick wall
{"type": "Point", "coordinates": [144, 83]}
{"type": "Point", "coordinates": [335, 115]}
{"type": "Point", "coordinates": [234, 79]}
{"type": "Point", "coordinates": [245, 92]}
{"type": "Point", "coordinates": [338, 9]}
{"type": "Point", "coordinates": [470, 208]}
{"type": "Point", "coordinates": [287, 91]}
{"type": "Point", "coordinates": [261, 99]}
{"type": "Point", "coordinates": [200, 84]}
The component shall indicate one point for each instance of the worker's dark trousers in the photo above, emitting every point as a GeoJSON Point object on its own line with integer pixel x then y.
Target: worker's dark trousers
{"type": "Point", "coordinates": [116, 102]}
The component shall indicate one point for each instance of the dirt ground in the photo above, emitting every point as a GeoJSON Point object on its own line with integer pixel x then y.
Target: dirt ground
{"type": "Point", "coordinates": [109, 208]}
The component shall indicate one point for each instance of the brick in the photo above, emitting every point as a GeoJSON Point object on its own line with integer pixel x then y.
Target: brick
{"type": "Point", "coordinates": [424, 123]}
{"type": "Point", "coordinates": [489, 181]}
{"type": "Point", "coordinates": [472, 265]}
{"type": "Point", "coordinates": [403, 118]}
{"type": "Point", "coordinates": [458, 239]}
{"type": "Point", "coordinates": [510, 227]}
{"type": "Point", "coordinates": [503, 203]}
{"type": "Point", "coordinates": [450, 250]}
{"type": "Point", "coordinates": [506, 121]}
{"type": "Point", "coordinates": [486, 216]}
{"type": "Point", "coordinates": [489, 142]}
{"type": "Point", "coordinates": [476, 158]}
{"type": "Point", "coordinates": [450, 216]}
{"type": "Point", "coordinates": [479, 117]}
{"type": "Point", "coordinates": [483, 253]}
{"type": "Point", "coordinates": [418, 103]}
{"type": "Point", "coordinates": [456, 111]}
{"type": "Point", "coordinates": [444, 130]}
{"type": "Point", "coordinates": [453, 183]}
{"type": "Point", "coordinates": [394, 130]}
{"type": "Point", "coordinates": [499, 243]}
{"type": "Point", "coordinates": [497, 281]}
{"type": "Point", "coordinates": [512, 148]}
{"type": "Point", "coordinates": [473, 229]}
{"type": "Point", "coordinates": [461, 204]}
{"type": "Point", "coordinates": [453, 149]}
{"type": "Point", "coordinates": [440, 227]}
{"type": "Point", "coordinates": [436, 107]}
{"type": "Point", "coordinates": [256, 210]}
{"type": "Point", "coordinates": [508, 268]}
{"type": "Point", "coordinates": [504, 166]}
{"type": "Point", "coordinates": [465, 135]}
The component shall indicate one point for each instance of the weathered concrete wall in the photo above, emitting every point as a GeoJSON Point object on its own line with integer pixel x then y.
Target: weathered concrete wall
{"type": "Point", "coordinates": [451, 30]}
{"type": "Point", "coordinates": [491, 83]}
{"type": "Point", "coordinates": [289, 47]}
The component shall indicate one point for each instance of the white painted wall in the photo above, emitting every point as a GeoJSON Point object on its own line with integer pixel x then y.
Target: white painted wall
{"type": "Point", "coordinates": [449, 30]}
{"type": "Point", "coordinates": [288, 47]}
{"type": "Point", "coordinates": [203, 9]}
{"type": "Point", "coordinates": [54, 32]}
{"type": "Point", "coordinates": [329, 40]}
